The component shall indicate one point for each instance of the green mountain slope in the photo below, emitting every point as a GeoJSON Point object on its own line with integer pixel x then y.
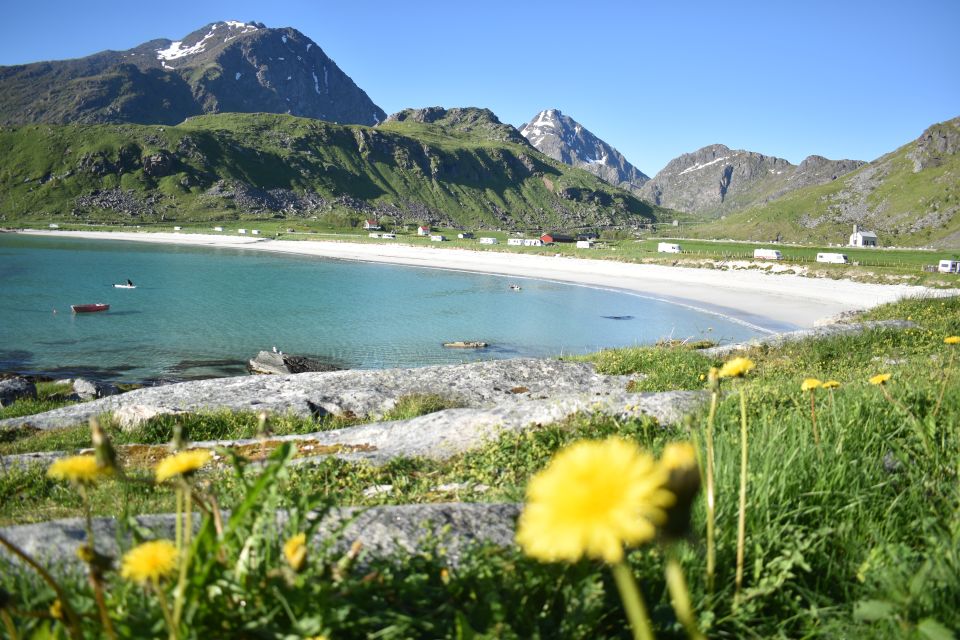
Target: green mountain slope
{"type": "Point", "coordinates": [463, 169]}
{"type": "Point", "coordinates": [909, 197]}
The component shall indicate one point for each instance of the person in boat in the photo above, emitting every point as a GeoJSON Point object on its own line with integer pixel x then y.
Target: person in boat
{"type": "Point", "coordinates": [129, 282]}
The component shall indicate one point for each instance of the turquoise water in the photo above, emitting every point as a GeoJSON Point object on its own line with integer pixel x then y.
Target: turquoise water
{"type": "Point", "coordinates": [201, 312]}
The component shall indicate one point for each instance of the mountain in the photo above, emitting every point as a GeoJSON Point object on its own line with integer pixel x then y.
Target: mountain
{"type": "Point", "coordinates": [564, 139]}
{"type": "Point", "coordinates": [223, 67]}
{"type": "Point", "coordinates": [717, 180]}
{"type": "Point", "coordinates": [910, 196]}
{"type": "Point", "coordinates": [460, 167]}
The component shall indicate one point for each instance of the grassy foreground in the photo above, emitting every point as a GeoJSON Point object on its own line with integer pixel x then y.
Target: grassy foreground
{"type": "Point", "coordinates": [852, 532]}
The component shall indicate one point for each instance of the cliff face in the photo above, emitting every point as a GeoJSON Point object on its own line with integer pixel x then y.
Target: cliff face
{"type": "Point", "coordinates": [223, 67]}
{"type": "Point", "coordinates": [717, 180]}
{"type": "Point", "coordinates": [564, 139]}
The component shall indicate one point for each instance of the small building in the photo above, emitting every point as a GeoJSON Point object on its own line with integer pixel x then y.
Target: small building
{"type": "Point", "coordinates": [489, 241]}
{"type": "Point", "coordinates": [515, 242]}
{"type": "Point", "coordinates": [584, 244]}
{"type": "Point", "coordinates": [550, 238]}
{"type": "Point", "coordinates": [423, 231]}
{"type": "Point", "coordinates": [668, 247]}
{"type": "Point", "coordinates": [466, 235]}
{"type": "Point", "coordinates": [767, 254]}
{"type": "Point", "coordinates": [371, 225]}
{"type": "Point", "coordinates": [438, 238]}
{"type": "Point", "coordinates": [833, 258]}
{"type": "Point", "coordinates": [532, 242]}
{"type": "Point", "coordinates": [949, 266]}
{"type": "Point", "coordinates": [862, 238]}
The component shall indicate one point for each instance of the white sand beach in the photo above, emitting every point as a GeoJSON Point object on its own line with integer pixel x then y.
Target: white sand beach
{"type": "Point", "coordinates": [769, 302]}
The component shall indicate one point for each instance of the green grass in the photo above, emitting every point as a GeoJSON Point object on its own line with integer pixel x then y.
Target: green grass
{"type": "Point", "coordinates": [857, 537]}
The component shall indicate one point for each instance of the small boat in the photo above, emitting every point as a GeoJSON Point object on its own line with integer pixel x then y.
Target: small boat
{"type": "Point", "coordinates": [515, 287]}
{"type": "Point", "coordinates": [89, 308]}
{"type": "Point", "coordinates": [128, 285]}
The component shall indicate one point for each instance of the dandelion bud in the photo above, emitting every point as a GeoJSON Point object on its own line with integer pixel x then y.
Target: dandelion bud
{"type": "Point", "coordinates": [179, 440]}
{"type": "Point", "coordinates": [103, 451]}
{"type": "Point", "coordinates": [56, 610]}
{"type": "Point", "coordinates": [713, 379]}
{"type": "Point", "coordinates": [679, 460]}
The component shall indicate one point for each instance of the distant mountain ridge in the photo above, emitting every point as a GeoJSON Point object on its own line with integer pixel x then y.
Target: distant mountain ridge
{"type": "Point", "coordinates": [564, 139]}
{"type": "Point", "coordinates": [223, 67]}
{"type": "Point", "coordinates": [717, 180]}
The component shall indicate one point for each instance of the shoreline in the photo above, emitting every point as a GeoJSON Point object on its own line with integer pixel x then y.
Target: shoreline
{"type": "Point", "coordinates": [766, 302]}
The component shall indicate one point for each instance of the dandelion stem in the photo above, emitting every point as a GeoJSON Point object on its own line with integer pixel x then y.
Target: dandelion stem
{"type": "Point", "coordinates": [178, 533]}
{"type": "Point", "coordinates": [165, 609]}
{"type": "Point", "coordinates": [632, 601]}
{"type": "Point", "coordinates": [813, 417]}
{"type": "Point", "coordinates": [94, 570]}
{"type": "Point", "coordinates": [179, 595]}
{"type": "Point", "coordinates": [711, 500]}
{"type": "Point", "coordinates": [943, 387]}
{"type": "Point", "coordinates": [72, 620]}
{"type": "Point", "coordinates": [918, 426]}
{"type": "Point", "coordinates": [742, 518]}
{"type": "Point", "coordinates": [8, 624]}
{"type": "Point", "coordinates": [680, 596]}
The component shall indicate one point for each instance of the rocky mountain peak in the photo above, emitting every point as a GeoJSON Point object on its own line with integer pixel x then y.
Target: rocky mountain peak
{"type": "Point", "coordinates": [227, 66]}
{"type": "Point", "coordinates": [938, 141]}
{"type": "Point", "coordinates": [564, 139]}
{"type": "Point", "coordinates": [715, 179]}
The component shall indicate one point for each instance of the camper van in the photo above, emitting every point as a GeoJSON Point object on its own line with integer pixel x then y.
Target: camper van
{"type": "Point", "coordinates": [668, 247]}
{"type": "Point", "coordinates": [767, 254]}
{"type": "Point", "coordinates": [949, 266]}
{"type": "Point", "coordinates": [833, 258]}
{"type": "Point", "coordinates": [489, 241]}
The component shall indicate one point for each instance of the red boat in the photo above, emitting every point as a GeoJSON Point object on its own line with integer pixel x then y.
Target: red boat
{"type": "Point", "coordinates": [89, 308]}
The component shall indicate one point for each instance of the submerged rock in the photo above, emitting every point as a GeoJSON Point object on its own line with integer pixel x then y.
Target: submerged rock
{"type": "Point", "coordinates": [275, 363]}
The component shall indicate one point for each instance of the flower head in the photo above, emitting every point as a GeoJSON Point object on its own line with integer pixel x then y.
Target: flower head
{"type": "Point", "coordinates": [881, 378]}
{"type": "Point", "coordinates": [831, 384]}
{"type": "Point", "coordinates": [295, 551]}
{"type": "Point", "coordinates": [56, 610]}
{"type": "Point", "coordinates": [592, 499]}
{"type": "Point", "coordinates": [78, 470]}
{"type": "Point", "coordinates": [679, 459]}
{"type": "Point", "coordinates": [736, 368]}
{"type": "Point", "coordinates": [952, 340]}
{"type": "Point", "coordinates": [150, 561]}
{"type": "Point", "coordinates": [183, 464]}
{"type": "Point", "coordinates": [809, 384]}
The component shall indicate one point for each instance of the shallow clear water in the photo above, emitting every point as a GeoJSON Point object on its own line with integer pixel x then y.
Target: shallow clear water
{"type": "Point", "coordinates": [200, 312]}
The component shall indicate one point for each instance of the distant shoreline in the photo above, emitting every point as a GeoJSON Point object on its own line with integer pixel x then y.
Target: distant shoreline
{"type": "Point", "coordinates": [765, 302]}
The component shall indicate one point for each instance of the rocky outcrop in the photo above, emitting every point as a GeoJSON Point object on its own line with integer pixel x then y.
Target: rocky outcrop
{"type": "Point", "coordinates": [380, 531]}
{"type": "Point", "coordinates": [717, 180]}
{"type": "Point", "coordinates": [275, 363]}
{"type": "Point", "coordinates": [478, 122]}
{"type": "Point", "coordinates": [93, 389]}
{"type": "Point", "coordinates": [12, 389]}
{"type": "Point", "coordinates": [563, 138]}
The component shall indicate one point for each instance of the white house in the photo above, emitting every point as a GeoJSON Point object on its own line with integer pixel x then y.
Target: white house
{"type": "Point", "coordinates": [423, 231]}
{"type": "Point", "coordinates": [371, 225]}
{"type": "Point", "coordinates": [515, 242]}
{"type": "Point", "coordinates": [862, 238]}
{"type": "Point", "coordinates": [489, 241]}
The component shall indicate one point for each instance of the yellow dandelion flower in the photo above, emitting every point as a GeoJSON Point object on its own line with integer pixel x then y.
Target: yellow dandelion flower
{"type": "Point", "coordinates": [150, 561]}
{"type": "Point", "coordinates": [952, 340]}
{"type": "Point", "coordinates": [736, 368]}
{"type": "Point", "coordinates": [77, 469]}
{"type": "Point", "coordinates": [809, 384]}
{"type": "Point", "coordinates": [592, 499]}
{"type": "Point", "coordinates": [184, 463]}
{"type": "Point", "coordinates": [56, 610]}
{"type": "Point", "coordinates": [295, 551]}
{"type": "Point", "coordinates": [881, 378]}
{"type": "Point", "coordinates": [831, 384]}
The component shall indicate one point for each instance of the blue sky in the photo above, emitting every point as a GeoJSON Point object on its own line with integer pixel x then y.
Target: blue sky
{"type": "Point", "coordinates": [841, 79]}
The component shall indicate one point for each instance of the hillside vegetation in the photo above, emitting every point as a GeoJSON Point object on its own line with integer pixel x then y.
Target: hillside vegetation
{"type": "Point", "coordinates": [909, 197]}
{"type": "Point", "coordinates": [236, 166]}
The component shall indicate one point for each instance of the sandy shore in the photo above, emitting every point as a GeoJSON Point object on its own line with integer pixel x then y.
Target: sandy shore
{"type": "Point", "coordinates": [768, 302]}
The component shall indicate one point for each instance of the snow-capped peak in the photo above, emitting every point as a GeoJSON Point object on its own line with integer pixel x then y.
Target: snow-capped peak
{"type": "Point", "coordinates": [231, 29]}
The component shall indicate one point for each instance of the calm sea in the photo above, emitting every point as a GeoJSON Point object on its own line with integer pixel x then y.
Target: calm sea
{"type": "Point", "coordinates": [202, 312]}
